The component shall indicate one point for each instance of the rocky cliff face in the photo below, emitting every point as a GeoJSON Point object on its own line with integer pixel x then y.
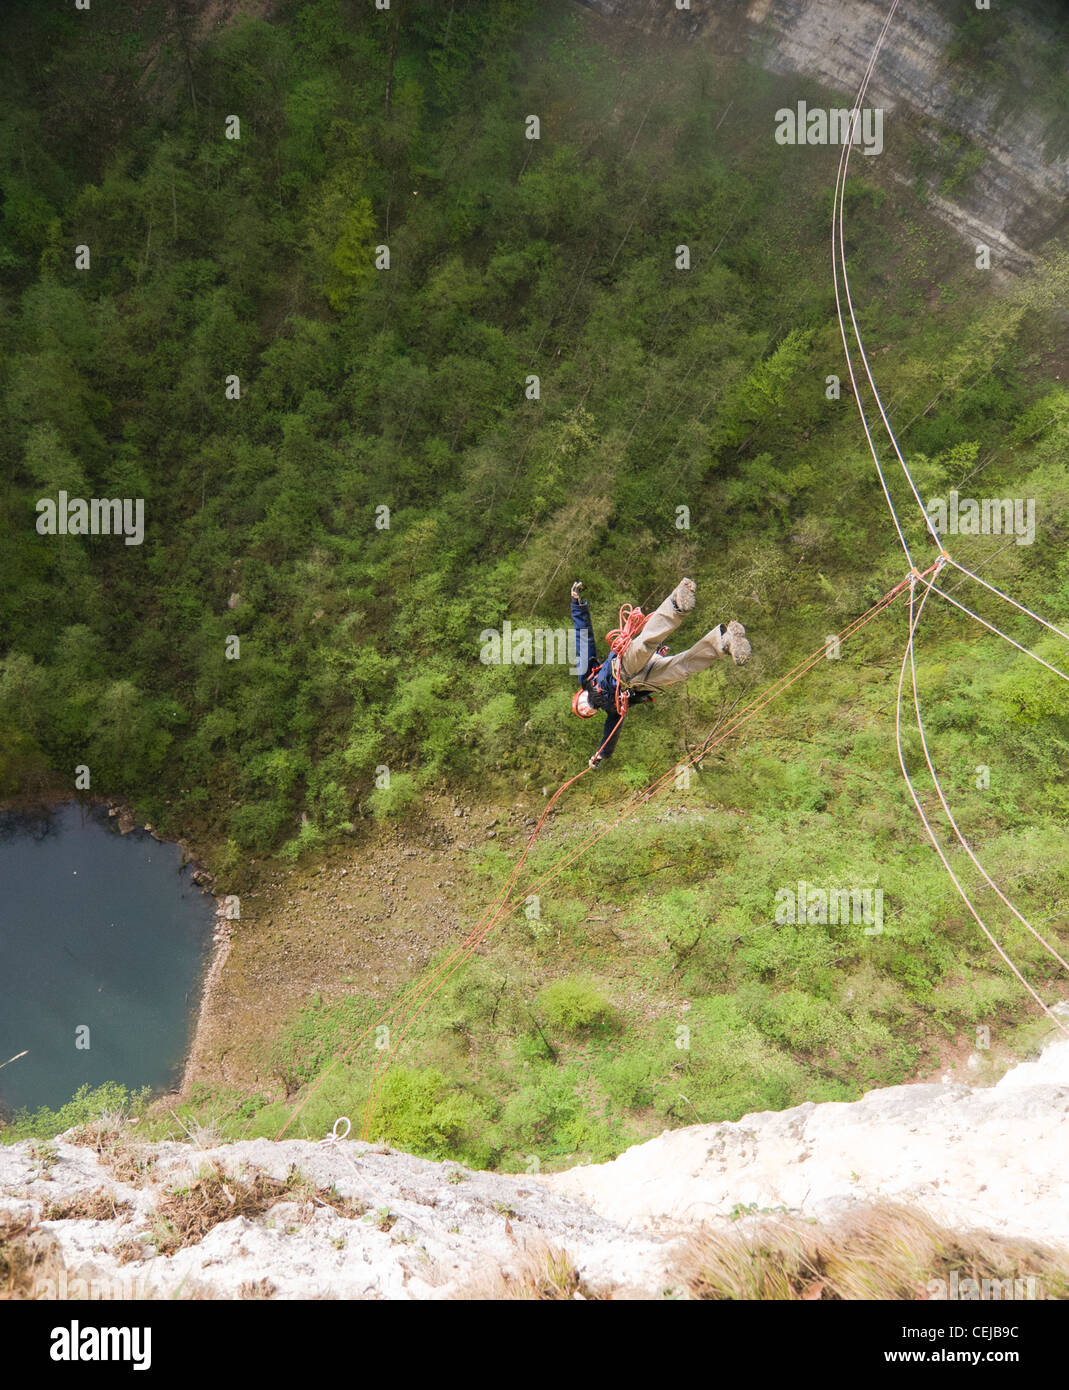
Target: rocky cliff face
{"type": "Point", "coordinates": [972, 1157]}
{"type": "Point", "coordinates": [1014, 199]}
{"type": "Point", "coordinates": [115, 1218]}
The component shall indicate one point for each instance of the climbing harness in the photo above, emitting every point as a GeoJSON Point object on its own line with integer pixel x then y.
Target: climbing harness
{"type": "Point", "coordinates": [632, 621]}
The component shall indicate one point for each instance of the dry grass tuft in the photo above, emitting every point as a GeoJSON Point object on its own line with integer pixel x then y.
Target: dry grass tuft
{"type": "Point", "coordinates": [201, 1136]}
{"type": "Point", "coordinates": [127, 1251]}
{"type": "Point", "coordinates": [88, 1206]}
{"type": "Point", "coordinates": [129, 1161]}
{"type": "Point", "coordinates": [132, 1165]}
{"type": "Point", "coordinates": [257, 1289]}
{"type": "Point", "coordinates": [884, 1251]}
{"type": "Point", "coordinates": [185, 1215]}
{"type": "Point", "coordinates": [26, 1256]}
{"type": "Point", "coordinates": [15, 1260]}
{"type": "Point", "coordinates": [540, 1272]}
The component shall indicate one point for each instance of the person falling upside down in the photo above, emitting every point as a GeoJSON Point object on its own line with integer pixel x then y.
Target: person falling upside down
{"type": "Point", "coordinates": [643, 667]}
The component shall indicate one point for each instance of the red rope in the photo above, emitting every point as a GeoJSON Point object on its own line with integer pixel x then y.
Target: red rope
{"type": "Point", "coordinates": [410, 1006]}
{"type": "Point", "coordinates": [632, 621]}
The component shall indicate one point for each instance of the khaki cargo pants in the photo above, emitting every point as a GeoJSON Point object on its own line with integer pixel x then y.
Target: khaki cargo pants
{"type": "Point", "coordinates": [642, 669]}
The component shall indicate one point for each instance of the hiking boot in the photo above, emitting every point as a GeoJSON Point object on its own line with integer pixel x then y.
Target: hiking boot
{"type": "Point", "coordinates": [734, 641]}
{"type": "Point", "coordinates": [683, 596]}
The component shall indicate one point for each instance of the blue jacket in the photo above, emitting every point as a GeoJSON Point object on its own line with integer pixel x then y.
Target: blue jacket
{"type": "Point", "coordinates": [602, 686]}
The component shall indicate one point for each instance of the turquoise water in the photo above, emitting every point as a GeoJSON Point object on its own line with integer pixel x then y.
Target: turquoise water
{"type": "Point", "coordinates": [98, 931]}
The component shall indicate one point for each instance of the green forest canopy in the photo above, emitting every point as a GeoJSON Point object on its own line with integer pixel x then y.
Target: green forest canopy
{"type": "Point", "coordinates": [362, 389]}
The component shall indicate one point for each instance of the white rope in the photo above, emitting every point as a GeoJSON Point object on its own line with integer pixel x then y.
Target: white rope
{"type": "Point", "coordinates": [333, 1137]}
{"type": "Point", "coordinates": [1021, 606]}
{"type": "Point", "coordinates": [950, 815]}
{"type": "Point", "coordinates": [991, 627]}
{"type": "Point", "coordinates": [838, 210]}
{"type": "Point", "coordinates": [837, 206]}
{"type": "Point", "coordinates": [839, 260]}
{"type": "Point", "coordinates": [908, 656]}
{"type": "Point", "coordinates": [845, 166]}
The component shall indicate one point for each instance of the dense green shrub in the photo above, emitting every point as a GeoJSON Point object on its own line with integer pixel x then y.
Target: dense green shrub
{"type": "Point", "coordinates": [419, 1111]}
{"type": "Point", "coordinates": [575, 1005]}
{"type": "Point", "coordinates": [88, 1103]}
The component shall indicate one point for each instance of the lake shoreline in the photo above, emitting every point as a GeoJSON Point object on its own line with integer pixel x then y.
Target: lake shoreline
{"type": "Point", "coordinates": [222, 940]}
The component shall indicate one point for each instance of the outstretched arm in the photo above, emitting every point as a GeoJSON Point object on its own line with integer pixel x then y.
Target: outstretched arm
{"type": "Point", "coordinates": [587, 659]}
{"type": "Point", "coordinates": [586, 651]}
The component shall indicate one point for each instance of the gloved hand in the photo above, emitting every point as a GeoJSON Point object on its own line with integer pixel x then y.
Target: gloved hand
{"type": "Point", "coordinates": [576, 595]}
{"type": "Point", "coordinates": [595, 760]}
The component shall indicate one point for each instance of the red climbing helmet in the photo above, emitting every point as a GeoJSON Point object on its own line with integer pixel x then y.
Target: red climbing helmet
{"type": "Point", "coordinates": [587, 713]}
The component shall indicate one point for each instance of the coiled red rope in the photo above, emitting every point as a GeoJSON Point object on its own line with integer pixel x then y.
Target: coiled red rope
{"type": "Point", "coordinates": [632, 621]}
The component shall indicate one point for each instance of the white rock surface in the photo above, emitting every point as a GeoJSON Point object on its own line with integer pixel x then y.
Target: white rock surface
{"type": "Point", "coordinates": [993, 1158]}
{"type": "Point", "coordinates": [1013, 202]}
{"type": "Point", "coordinates": [448, 1226]}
